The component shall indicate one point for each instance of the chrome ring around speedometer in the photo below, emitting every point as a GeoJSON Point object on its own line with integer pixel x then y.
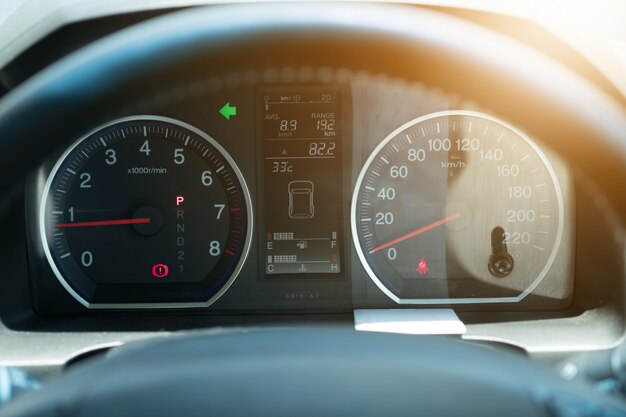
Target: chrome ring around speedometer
{"type": "Point", "coordinates": [457, 207]}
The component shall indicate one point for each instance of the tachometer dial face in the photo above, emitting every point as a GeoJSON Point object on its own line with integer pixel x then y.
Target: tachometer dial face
{"type": "Point", "coordinates": [146, 212]}
{"type": "Point", "coordinates": [457, 207]}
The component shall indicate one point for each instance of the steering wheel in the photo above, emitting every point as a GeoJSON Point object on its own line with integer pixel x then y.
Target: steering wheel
{"type": "Point", "coordinates": [314, 371]}
{"type": "Point", "coordinates": [310, 372]}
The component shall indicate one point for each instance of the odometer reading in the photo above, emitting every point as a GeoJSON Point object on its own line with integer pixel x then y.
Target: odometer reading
{"type": "Point", "coordinates": [457, 207]}
{"type": "Point", "coordinates": [143, 212]}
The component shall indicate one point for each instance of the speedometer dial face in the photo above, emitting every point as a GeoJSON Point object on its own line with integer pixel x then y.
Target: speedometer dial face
{"type": "Point", "coordinates": [146, 212]}
{"type": "Point", "coordinates": [457, 207]}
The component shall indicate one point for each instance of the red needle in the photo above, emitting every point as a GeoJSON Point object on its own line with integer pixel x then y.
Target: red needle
{"type": "Point", "coordinates": [138, 220]}
{"type": "Point", "coordinates": [416, 232]}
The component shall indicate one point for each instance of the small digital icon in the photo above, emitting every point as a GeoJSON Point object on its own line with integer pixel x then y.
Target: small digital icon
{"type": "Point", "coordinates": [228, 111]}
{"type": "Point", "coordinates": [179, 200]}
{"type": "Point", "coordinates": [302, 244]}
{"type": "Point", "coordinates": [301, 200]}
{"type": "Point", "coordinates": [160, 270]}
{"type": "Point", "coordinates": [422, 268]}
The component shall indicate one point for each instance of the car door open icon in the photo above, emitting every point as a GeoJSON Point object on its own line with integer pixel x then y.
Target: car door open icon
{"type": "Point", "coordinates": [301, 200]}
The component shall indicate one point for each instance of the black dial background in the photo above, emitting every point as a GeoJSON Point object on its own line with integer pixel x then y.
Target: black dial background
{"type": "Point", "coordinates": [140, 184]}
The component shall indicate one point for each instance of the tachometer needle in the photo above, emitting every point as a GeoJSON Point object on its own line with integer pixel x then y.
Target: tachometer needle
{"type": "Point", "coordinates": [416, 232]}
{"type": "Point", "coordinates": [139, 220]}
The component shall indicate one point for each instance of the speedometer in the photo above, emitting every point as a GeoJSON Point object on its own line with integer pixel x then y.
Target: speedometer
{"type": "Point", "coordinates": [146, 211]}
{"type": "Point", "coordinates": [457, 207]}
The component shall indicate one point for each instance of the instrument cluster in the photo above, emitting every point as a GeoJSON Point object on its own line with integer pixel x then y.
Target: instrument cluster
{"type": "Point", "coordinates": [325, 190]}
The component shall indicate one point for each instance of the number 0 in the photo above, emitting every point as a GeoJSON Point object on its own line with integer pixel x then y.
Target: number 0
{"type": "Point", "coordinates": [86, 259]}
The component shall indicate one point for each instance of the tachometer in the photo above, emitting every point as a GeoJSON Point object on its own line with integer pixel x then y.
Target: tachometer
{"type": "Point", "coordinates": [457, 207]}
{"type": "Point", "coordinates": [146, 212]}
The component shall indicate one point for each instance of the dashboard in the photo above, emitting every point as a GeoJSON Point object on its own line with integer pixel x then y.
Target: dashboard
{"type": "Point", "coordinates": [191, 205]}
{"type": "Point", "coordinates": [296, 179]}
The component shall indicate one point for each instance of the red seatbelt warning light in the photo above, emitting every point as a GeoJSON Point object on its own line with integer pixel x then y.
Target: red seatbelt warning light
{"type": "Point", "coordinates": [179, 200]}
{"type": "Point", "coordinates": [422, 268]}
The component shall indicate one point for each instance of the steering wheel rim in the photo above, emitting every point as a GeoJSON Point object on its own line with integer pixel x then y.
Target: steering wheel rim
{"type": "Point", "coordinates": [314, 371]}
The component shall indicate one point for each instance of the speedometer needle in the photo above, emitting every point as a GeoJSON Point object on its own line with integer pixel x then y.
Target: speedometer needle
{"type": "Point", "coordinates": [139, 220]}
{"type": "Point", "coordinates": [416, 232]}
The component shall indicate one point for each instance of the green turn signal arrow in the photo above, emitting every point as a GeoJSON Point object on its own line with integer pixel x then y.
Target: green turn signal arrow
{"type": "Point", "coordinates": [227, 111]}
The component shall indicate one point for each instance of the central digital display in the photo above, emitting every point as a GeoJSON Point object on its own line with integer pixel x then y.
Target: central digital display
{"type": "Point", "coordinates": [301, 132]}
